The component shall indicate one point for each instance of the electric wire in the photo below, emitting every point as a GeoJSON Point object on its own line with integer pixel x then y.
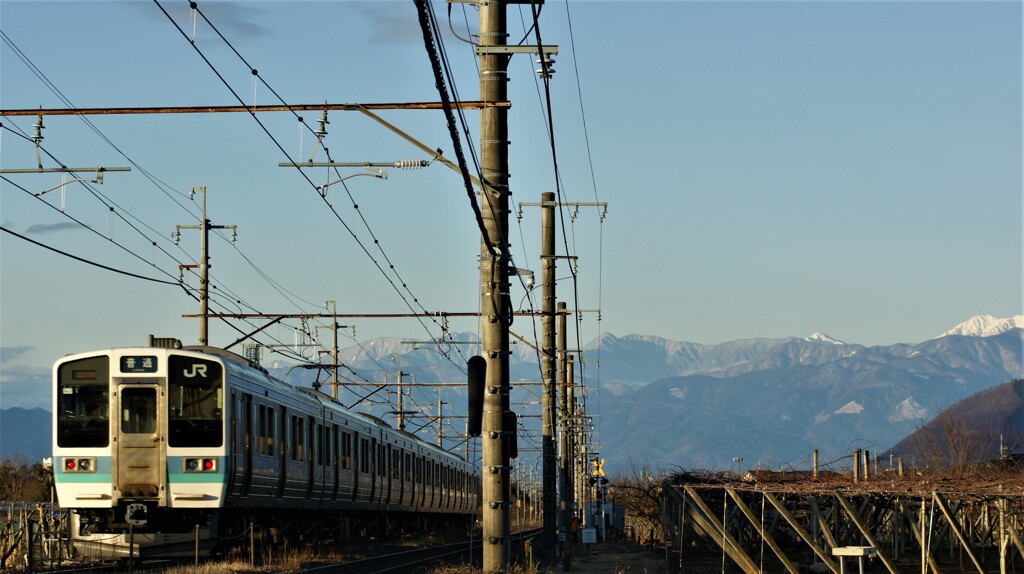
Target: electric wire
{"type": "Point", "coordinates": [109, 204]}
{"type": "Point", "coordinates": [255, 74]}
{"type": "Point", "coordinates": [439, 60]}
{"type": "Point", "coordinates": [593, 181]}
{"type": "Point", "coordinates": [87, 261]}
{"type": "Point", "coordinates": [558, 190]}
{"type": "Point", "coordinates": [159, 184]}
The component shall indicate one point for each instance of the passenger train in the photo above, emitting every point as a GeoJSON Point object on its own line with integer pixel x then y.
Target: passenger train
{"type": "Point", "coordinates": [158, 447]}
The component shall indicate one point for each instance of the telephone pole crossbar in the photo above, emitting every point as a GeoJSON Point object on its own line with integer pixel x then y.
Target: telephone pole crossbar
{"type": "Point", "coordinates": [250, 109]}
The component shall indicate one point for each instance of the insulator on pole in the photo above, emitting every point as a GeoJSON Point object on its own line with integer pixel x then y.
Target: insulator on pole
{"type": "Point", "coordinates": [321, 131]}
{"type": "Point", "coordinates": [39, 127]}
{"type": "Point", "coordinates": [410, 164]}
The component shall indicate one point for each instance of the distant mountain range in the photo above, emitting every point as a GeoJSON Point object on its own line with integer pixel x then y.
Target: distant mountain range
{"type": "Point", "coordinates": [679, 404]}
{"type": "Point", "coordinates": [772, 402]}
{"type": "Point", "coordinates": [984, 426]}
{"type": "Point", "coordinates": [25, 433]}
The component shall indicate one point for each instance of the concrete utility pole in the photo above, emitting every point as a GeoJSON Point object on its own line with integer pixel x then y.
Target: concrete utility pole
{"type": "Point", "coordinates": [334, 348]}
{"type": "Point", "coordinates": [401, 405]}
{"type": "Point", "coordinates": [554, 407]}
{"type": "Point", "coordinates": [204, 263]}
{"type": "Point", "coordinates": [565, 485]}
{"type": "Point", "coordinates": [563, 374]}
{"type": "Point", "coordinates": [495, 305]}
{"type": "Point", "coordinates": [547, 357]}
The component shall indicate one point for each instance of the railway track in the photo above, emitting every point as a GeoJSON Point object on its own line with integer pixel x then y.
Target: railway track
{"type": "Point", "coordinates": [416, 560]}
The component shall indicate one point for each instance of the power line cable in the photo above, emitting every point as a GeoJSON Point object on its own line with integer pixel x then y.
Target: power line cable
{"type": "Point", "coordinates": [86, 261]}
{"type": "Point", "coordinates": [156, 182]}
{"type": "Point", "coordinates": [255, 74]}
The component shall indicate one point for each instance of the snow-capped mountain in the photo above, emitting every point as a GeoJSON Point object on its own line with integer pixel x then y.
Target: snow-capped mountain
{"type": "Point", "coordinates": [817, 337]}
{"type": "Point", "coordinates": [986, 326]}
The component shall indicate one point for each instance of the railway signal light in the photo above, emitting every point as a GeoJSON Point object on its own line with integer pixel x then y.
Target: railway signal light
{"type": "Point", "coordinates": [477, 371]}
{"type": "Point", "coordinates": [512, 428]}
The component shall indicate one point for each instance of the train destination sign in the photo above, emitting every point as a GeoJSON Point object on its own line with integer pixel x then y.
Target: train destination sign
{"type": "Point", "coordinates": [138, 364]}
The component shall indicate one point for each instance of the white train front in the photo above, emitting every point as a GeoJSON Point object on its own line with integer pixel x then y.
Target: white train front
{"type": "Point", "coordinates": [160, 444]}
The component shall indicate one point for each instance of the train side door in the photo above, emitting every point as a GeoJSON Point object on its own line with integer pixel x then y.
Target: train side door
{"type": "Point", "coordinates": [140, 449]}
{"type": "Point", "coordinates": [357, 459]}
{"type": "Point", "coordinates": [283, 439]}
{"type": "Point", "coordinates": [247, 443]}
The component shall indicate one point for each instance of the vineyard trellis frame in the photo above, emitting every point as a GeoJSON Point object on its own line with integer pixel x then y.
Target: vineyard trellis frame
{"type": "Point", "coordinates": [762, 527]}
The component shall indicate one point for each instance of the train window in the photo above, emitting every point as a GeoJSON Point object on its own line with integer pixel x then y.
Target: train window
{"type": "Point", "coordinates": [320, 449]}
{"type": "Point", "coordinates": [138, 410]}
{"type": "Point", "coordinates": [364, 455]}
{"type": "Point", "coordinates": [311, 441]}
{"type": "Point", "coordinates": [195, 402]}
{"type": "Point", "coordinates": [346, 451]}
{"type": "Point", "coordinates": [335, 447]}
{"type": "Point", "coordinates": [83, 402]}
{"type": "Point", "coordinates": [270, 432]}
{"type": "Point", "coordinates": [381, 461]}
{"type": "Point", "coordinates": [408, 467]}
{"type": "Point", "coordinates": [298, 438]}
{"type": "Point", "coordinates": [262, 431]}
{"type": "Point", "coordinates": [396, 464]}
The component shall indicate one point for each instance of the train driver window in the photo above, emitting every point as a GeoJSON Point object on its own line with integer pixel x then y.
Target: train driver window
{"type": "Point", "coordinates": [83, 401]}
{"type": "Point", "coordinates": [195, 402]}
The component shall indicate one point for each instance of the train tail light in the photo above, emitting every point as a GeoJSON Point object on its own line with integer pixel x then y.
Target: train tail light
{"type": "Point", "coordinates": [80, 464]}
{"type": "Point", "coordinates": [200, 465]}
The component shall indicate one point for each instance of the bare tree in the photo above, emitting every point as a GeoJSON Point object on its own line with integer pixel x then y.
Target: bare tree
{"type": "Point", "coordinates": [21, 482]}
{"type": "Point", "coordinates": [638, 489]}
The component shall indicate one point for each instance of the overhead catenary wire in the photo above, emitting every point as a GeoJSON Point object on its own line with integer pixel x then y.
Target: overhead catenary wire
{"type": "Point", "coordinates": [110, 205]}
{"type": "Point", "coordinates": [86, 261]}
{"type": "Point", "coordinates": [162, 186]}
{"type": "Point", "coordinates": [256, 75]}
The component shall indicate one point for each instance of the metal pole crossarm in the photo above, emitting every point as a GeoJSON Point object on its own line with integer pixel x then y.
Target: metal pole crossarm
{"type": "Point", "coordinates": [65, 169]}
{"type": "Point", "coordinates": [534, 49]}
{"type": "Point", "coordinates": [401, 164]}
{"type": "Point", "coordinates": [435, 342]}
{"type": "Point", "coordinates": [376, 316]}
{"type": "Point", "coordinates": [575, 204]}
{"type": "Point", "coordinates": [368, 384]}
{"type": "Point", "coordinates": [475, 105]}
{"type": "Point", "coordinates": [334, 315]}
{"type": "Point", "coordinates": [478, 2]}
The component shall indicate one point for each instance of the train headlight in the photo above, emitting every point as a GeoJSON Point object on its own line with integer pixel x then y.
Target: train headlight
{"type": "Point", "coordinates": [84, 465]}
{"type": "Point", "coordinates": [192, 464]}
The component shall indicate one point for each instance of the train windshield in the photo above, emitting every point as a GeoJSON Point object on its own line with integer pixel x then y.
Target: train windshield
{"type": "Point", "coordinates": [195, 402]}
{"type": "Point", "coordinates": [83, 403]}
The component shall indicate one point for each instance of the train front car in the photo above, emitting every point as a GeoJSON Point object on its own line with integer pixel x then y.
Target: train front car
{"type": "Point", "coordinates": [139, 449]}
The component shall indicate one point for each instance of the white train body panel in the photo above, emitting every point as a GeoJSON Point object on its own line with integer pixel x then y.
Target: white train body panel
{"type": "Point", "coordinates": [159, 440]}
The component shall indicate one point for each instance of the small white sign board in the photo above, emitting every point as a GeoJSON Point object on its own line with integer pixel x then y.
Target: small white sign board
{"type": "Point", "coordinates": [588, 535]}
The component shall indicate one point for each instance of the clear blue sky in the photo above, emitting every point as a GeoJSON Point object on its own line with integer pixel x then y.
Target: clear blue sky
{"type": "Point", "coordinates": [772, 169]}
